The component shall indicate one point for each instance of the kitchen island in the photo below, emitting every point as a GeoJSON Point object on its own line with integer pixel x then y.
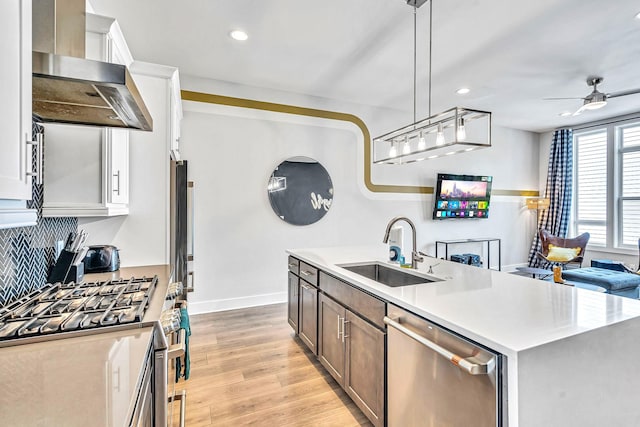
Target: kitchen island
{"type": "Point", "coordinates": [569, 351]}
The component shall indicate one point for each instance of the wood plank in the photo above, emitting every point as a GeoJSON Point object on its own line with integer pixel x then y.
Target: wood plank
{"type": "Point", "coordinates": [248, 368]}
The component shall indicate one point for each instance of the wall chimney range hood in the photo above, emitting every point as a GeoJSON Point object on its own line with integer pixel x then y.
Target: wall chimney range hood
{"type": "Point", "coordinates": [67, 88]}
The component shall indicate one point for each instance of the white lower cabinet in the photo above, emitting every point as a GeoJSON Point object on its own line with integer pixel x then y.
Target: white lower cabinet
{"type": "Point", "coordinates": [86, 172]}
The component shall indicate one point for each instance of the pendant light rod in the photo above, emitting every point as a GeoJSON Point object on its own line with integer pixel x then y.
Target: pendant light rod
{"type": "Point", "coordinates": [430, 46]}
{"type": "Point", "coordinates": [415, 30]}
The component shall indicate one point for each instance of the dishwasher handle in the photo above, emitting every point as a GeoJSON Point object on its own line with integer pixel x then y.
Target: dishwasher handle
{"type": "Point", "coordinates": [467, 366]}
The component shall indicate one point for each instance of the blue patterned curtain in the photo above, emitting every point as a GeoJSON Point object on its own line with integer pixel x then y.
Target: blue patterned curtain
{"type": "Point", "coordinates": [559, 191]}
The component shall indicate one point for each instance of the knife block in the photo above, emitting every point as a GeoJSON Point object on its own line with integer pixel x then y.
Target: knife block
{"type": "Point", "coordinates": [65, 270]}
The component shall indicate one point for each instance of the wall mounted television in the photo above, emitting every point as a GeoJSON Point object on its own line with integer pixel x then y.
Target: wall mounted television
{"type": "Point", "coordinates": [462, 196]}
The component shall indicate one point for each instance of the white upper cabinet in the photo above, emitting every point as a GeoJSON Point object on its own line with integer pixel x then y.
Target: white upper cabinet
{"type": "Point", "coordinates": [15, 102]}
{"type": "Point", "coordinates": [160, 88]}
{"type": "Point", "coordinates": [87, 171]}
{"type": "Point", "coordinates": [176, 112]}
{"type": "Point", "coordinates": [87, 168]}
{"type": "Point", "coordinates": [15, 114]}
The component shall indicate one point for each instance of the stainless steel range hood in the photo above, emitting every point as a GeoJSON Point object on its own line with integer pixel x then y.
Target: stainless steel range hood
{"type": "Point", "coordinates": [67, 88]}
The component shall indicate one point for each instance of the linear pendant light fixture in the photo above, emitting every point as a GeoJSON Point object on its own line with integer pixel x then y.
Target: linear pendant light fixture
{"type": "Point", "coordinates": [453, 131]}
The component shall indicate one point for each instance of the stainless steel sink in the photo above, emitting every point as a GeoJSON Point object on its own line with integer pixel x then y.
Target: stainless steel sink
{"type": "Point", "coordinates": [386, 275]}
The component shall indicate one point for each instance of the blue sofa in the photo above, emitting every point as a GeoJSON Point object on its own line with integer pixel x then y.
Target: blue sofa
{"type": "Point", "coordinates": [614, 281]}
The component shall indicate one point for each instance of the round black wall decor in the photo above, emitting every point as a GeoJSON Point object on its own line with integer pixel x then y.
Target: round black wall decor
{"type": "Point", "coordinates": [300, 191]}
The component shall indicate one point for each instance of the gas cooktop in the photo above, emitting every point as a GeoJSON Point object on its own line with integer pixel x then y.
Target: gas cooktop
{"type": "Point", "coordinates": [60, 308]}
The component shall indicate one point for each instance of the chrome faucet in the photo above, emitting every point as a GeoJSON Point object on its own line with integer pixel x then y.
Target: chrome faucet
{"type": "Point", "coordinates": [415, 258]}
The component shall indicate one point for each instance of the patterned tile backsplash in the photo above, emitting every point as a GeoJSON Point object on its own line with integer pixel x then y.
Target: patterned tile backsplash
{"type": "Point", "coordinates": [27, 253]}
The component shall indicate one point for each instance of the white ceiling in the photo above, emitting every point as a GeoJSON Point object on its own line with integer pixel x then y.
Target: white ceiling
{"type": "Point", "coordinates": [511, 53]}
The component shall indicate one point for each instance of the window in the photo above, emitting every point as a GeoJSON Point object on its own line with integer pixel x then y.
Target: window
{"type": "Point", "coordinates": [607, 184]}
{"type": "Point", "coordinates": [629, 154]}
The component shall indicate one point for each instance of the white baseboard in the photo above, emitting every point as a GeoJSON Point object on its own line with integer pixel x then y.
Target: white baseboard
{"type": "Point", "coordinates": [235, 303]}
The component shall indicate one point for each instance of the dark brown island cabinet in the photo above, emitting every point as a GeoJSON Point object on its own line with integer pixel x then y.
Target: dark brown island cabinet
{"type": "Point", "coordinates": [344, 328]}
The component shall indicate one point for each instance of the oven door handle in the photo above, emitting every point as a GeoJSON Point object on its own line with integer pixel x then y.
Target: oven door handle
{"type": "Point", "coordinates": [177, 350]}
{"type": "Point", "coordinates": [182, 397]}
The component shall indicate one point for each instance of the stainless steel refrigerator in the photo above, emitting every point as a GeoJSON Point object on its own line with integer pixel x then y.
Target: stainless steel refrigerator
{"type": "Point", "coordinates": [181, 229]}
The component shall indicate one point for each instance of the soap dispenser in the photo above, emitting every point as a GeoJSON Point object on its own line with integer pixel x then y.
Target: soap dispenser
{"type": "Point", "coordinates": [395, 243]}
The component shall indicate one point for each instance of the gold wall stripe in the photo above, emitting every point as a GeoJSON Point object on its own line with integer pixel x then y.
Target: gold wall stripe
{"type": "Point", "coordinates": [332, 115]}
{"type": "Point", "coordinates": [521, 193]}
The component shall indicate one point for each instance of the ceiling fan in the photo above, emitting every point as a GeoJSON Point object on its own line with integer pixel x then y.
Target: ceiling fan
{"type": "Point", "coordinates": [597, 99]}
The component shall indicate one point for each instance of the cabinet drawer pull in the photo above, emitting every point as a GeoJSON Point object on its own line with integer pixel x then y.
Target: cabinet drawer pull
{"type": "Point", "coordinates": [117, 189]}
{"type": "Point", "coordinates": [306, 273]}
{"type": "Point", "coordinates": [307, 287]}
{"type": "Point", "coordinates": [344, 322]}
{"type": "Point", "coordinates": [292, 265]}
{"type": "Point", "coordinates": [37, 174]}
{"type": "Point", "coordinates": [339, 319]}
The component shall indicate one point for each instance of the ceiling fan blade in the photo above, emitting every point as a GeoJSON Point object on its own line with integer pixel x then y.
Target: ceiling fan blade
{"type": "Point", "coordinates": [623, 93]}
{"type": "Point", "coordinates": [557, 99]}
{"type": "Point", "coordinates": [579, 110]}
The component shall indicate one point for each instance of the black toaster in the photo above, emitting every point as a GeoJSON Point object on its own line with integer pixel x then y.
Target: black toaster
{"type": "Point", "coordinates": [101, 258]}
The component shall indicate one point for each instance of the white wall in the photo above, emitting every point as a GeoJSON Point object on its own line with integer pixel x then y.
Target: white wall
{"type": "Point", "coordinates": [240, 243]}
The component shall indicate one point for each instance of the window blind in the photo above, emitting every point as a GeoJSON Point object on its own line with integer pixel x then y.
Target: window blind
{"type": "Point", "coordinates": [591, 185]}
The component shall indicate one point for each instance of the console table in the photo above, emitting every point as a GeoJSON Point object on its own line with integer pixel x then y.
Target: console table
{"type": "Point", "coordinates": [487, 240]}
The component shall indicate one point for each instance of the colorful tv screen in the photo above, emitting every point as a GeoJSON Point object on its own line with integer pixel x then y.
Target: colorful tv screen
{"type": "Point", "coordinates": [462, 196]}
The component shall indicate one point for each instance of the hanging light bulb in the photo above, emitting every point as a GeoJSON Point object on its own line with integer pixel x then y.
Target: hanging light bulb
{"type": "Point", "coordinates": [393, 151]}
{"type": "Point", "coordinates": [422, 143]}
{"type": "Point", "coordinates": [406, 149]}
{"type": "Point", "coordinates": [440, 135]}
{"type": "Point", "coordinates": [461, 133]}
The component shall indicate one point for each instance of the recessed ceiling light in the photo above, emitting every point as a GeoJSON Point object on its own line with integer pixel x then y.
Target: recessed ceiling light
{"type": "Point", "coordinates": [638, 15]}
{"type": "Point", "coordinates": [238, 35]}
{"type": "Point", "coordinates": [565, 114]}
{"type": "Point", "coordinates": [463, 91]}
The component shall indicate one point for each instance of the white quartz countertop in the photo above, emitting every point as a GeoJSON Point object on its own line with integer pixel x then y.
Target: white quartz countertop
{"type": "Point", "coordinates": [80, 381]}
{"type": "Point", "coordinates": [506, 312]}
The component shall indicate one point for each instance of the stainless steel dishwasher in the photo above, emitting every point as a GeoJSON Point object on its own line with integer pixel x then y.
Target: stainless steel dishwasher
{"type": "Point", "coordinates": [436, 378]}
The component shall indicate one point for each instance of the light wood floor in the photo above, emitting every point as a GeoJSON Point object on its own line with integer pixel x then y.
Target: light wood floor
{"type": "Point", "coordinates": [248, 368]}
